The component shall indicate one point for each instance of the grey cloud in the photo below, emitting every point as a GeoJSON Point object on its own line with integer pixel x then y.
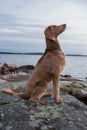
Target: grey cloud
{"type": "Point", "coordinates": [23, 21]}
{"type": "Point", "coordinates": [5, 17]}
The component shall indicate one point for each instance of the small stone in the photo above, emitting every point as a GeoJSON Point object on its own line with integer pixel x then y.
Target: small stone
{"type": "Point", "coordinates": [1, 126]}
{"type": "Point", "coordinates": [2, 115]}
{"type": "Point", "coordinates": [85, 112]}
{"type": "Point", "coordinates": [44, 128]}
{"type": "Point", "coordinates": [51, 127]}
{"type": "Point", "coordinates": [9, 127]}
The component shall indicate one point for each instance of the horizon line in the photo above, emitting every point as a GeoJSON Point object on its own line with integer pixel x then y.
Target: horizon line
{"type": "Point", "coordinates": [36, 53]}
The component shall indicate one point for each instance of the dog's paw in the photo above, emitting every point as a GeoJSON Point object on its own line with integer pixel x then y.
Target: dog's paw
{"type": "Point", "coordinates": [59, 101]}
{"type": "Point", "coordinates": [16, 95]}
{"type": "Point", "coordinates": [43, 102]}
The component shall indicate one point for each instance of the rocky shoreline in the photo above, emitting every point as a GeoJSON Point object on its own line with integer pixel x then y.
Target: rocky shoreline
{"type": "Point", "coordinates": [18, 114]}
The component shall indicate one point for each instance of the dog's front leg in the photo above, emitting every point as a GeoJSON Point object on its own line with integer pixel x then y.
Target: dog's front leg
{"type": "Point", "coordinates": [56, 89]}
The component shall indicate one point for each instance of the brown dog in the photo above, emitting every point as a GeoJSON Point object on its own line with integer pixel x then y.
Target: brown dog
{"type": "Point", "coordinates": [48, 68]}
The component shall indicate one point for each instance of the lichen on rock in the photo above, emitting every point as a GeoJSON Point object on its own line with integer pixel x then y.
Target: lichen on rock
{"type": "Point", "coordinates": [18, 114]}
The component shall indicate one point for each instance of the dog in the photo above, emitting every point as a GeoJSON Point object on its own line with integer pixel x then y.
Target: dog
{"type": "Point", "coordinates": [47, 69]}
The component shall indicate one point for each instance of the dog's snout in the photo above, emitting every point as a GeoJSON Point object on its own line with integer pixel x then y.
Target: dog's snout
{"type": "Point", "coordinates": [64, 25]}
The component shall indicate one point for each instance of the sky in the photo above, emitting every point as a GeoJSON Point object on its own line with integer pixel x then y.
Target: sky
{"type": "Point", "coordinates": [22, 24]}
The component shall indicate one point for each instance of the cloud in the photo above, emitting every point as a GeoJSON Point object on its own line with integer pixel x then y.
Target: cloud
{"type": "Point", "coordinates": [22, 23]}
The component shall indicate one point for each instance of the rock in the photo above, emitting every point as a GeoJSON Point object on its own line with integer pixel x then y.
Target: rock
{"type": "Point", "coordinates": [16, 77]}
{"type": "Point", "coordinates": [81, 95]}
{"type": "Point", "coordinates": [26, 68]}
{"type": "Point", "coordinates": [2, 81]}
{"type": "Point", "coordinates": [18, 114]}
{"type": "Point", "coordinates": [1, 126]}
{"type": "Point", "coordinates": [21, 76]}
{"type": "Point", "coordinates": [23, 115]}
{"type": "Point", "coordinates": [75, 88]}
{"type": "Point", "coordinates": [66, 76]}
{"type": "Point", "coordinates": [8, 68]}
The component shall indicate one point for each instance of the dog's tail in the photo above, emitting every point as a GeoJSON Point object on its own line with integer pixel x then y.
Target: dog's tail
{"type": "Point", "coordinates": [9, 91]}
{"type": "Point", "coordinates": [15, 94]}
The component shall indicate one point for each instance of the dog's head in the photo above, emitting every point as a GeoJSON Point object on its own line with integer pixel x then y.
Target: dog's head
{"type": "Point", "coordinates": [53, 31]}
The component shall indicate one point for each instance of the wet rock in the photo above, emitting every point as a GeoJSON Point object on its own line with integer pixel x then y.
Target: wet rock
{"type": "Point", "coordinates": [81, 95]}
{"type": "Point", "coordinates": [66, 76]}
{"type": "Point", "coordinates": [26, 68]}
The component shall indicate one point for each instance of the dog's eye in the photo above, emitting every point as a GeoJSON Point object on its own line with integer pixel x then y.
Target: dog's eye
{"type": "Point", "coordinates": [49, 28]}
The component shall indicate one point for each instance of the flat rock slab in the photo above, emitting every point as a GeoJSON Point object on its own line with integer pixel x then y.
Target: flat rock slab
{"type": "Point", "coordinates": [15, 77]}
{"type": "Point", "coordinates": [19, 114]}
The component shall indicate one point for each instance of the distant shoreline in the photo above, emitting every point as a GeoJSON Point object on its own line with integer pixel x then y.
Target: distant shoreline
{"type": "Point", "coordinates": [19, 53]}
{"type": "Point", "coordinates": [36, 53]}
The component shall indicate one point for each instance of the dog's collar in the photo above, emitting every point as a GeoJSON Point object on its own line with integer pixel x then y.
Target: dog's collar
{"type": "Point", "coordinates": [52, 49]}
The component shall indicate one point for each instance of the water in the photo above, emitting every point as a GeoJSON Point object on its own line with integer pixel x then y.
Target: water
{"type": "Point", "coordinates": [75, 65]}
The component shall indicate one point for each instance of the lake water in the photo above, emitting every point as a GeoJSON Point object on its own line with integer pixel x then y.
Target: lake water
{"type": "Point", "coordinates": [75, 65]}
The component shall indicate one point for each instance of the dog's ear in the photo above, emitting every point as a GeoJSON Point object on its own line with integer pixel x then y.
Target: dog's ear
{"type": "Point", "coordinates": [49, 33]}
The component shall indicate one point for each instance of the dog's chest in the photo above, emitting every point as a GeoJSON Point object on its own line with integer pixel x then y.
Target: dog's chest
{"type": "Point", "coordinates": [56, 61]}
